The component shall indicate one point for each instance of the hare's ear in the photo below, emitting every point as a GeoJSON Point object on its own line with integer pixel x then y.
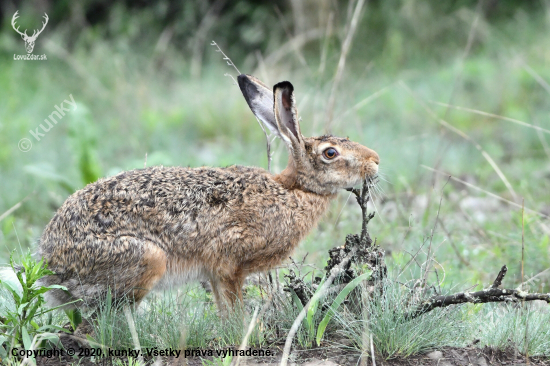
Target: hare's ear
{"type": "Point", "coordinates": [260, 100]}
{"type": "Point", "coordinates": [286, 115]}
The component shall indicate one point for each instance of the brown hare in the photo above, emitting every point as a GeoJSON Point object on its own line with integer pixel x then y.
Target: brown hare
{"type": "Point", "coordinates": [145, 228]}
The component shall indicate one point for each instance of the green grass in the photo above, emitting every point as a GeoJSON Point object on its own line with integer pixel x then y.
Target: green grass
{"type": "Point", "coordinates": [525, 328]}
{"type": "Point", "coordinates": [393, 335]}
{"type": "Point", "coordinates": [173, 319]}
{"type": "Point", "coordinates": [501, 326]}
{"type": "Point", "coordinates": [186, 318]}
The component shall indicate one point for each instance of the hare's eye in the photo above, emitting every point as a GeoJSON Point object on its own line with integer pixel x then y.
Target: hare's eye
{"type": "Point", "coordinates": [330, 153]}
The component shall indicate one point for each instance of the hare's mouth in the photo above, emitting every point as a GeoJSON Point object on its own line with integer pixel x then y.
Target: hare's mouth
{"type": "Point", "coordinates": [371, 181]}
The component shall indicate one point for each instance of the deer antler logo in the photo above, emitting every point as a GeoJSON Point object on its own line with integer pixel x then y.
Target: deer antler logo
{"type": "Point", "coordinates": [29, 41]}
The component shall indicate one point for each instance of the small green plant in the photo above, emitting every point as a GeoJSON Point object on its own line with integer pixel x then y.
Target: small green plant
{"type": "Point", "coordinates": [18, 325]}
{"type": "Point", "coordinates": [83, 137]}
{"type": "Point", "coordinates": [218, 361]}
{"type": "Point", "coordinates": [315, 321]}
{"type": "Point", "coordinates": [337, 302]}
{"type": "Point", "coordinates": [312, 317]}
{"type": "Point", "coordinates": [75, 317]}
{"type": "Point", "coordinates": [131, 362]}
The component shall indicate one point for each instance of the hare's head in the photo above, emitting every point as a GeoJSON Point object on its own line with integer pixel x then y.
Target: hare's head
{"type": "Point", "coordinates": [318, 164]}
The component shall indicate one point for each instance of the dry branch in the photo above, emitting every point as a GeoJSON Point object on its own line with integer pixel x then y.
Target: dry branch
{"type": "Point", "coordinates": [342, 62]}
{"type": "Point", "coordinates": [491, 294]}
{"type": "Point", "coordinates": [366, 252]}
{"type": "Point", "coordinates": [359, 249]}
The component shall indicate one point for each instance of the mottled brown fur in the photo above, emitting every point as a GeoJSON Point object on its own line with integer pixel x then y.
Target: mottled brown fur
{"type": "Point", "coordinates": [148, 227]}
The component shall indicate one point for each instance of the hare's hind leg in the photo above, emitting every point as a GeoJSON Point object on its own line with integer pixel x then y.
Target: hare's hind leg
{"type": "Point", "coordinates": [138, 274]}
{"type": "Point", "coordinates": [128, 267]}
{"type": "Point", "coordinates": [227, 291]}
{"type": "Point", "coordinates": [152, 268]}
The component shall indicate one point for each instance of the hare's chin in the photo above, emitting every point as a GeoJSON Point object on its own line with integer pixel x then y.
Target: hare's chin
{"type": "Point", "coordinates": [359, 181]}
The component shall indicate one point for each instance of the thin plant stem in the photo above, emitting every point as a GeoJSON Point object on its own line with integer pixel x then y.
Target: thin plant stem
{"type": "Point", "coordinates": [229, 62]}
{"type": "Point", "coordinates": [268, 141]}
{"type": "Point", "coordinates": [133, 332]}
{"type": "Point", "coordinates": [485, 191]}
{"type": "Point", "coordinates": [15, 207]}
{"type": "Point", "coordinates": [342, 62]}
{"type": "Point", "coordinates": [372, 351]}
{"type": "Point", "coordinates": [522, 240]}
{"type": "Point", "coordinates": [486, 114]}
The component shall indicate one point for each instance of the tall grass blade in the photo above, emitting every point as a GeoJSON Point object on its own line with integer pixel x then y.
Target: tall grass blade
{"type": "Point", "coordinates": [337, 302]}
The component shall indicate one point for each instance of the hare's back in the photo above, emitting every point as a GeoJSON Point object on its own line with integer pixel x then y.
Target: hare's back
{"type": "Point", "coordinates": [166, 204]}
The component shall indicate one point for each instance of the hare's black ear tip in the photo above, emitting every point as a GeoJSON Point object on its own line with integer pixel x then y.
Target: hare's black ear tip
{"type": "Point", "coordinates": [246, 84]}
{"type": "Point", "coordinates": [243, 79]}
{"type": "Point", "coordinates": [249, 82]}
{"type": "Point", "coordinates": [285, 85]}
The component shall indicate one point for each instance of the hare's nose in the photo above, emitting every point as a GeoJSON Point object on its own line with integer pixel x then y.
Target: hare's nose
{"type": "Point", "coordinates": [375, 158]}
{"type": "Point", "coordinates": [370, 155]}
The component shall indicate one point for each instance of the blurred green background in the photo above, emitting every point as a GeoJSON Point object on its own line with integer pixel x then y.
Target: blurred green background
{"type": "Point", "coordinates": [147, 80]}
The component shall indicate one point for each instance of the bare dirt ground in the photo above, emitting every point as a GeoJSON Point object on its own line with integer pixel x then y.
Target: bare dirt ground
{"type": "Point", "coordinates": [332, 356]}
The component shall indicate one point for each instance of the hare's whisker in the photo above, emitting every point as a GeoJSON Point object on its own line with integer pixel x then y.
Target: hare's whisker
{"type": "Point", "coordinates": [377, 194]}
{"type": "Point", "coordinates": [375, 209]}
{"type": "Point", "coordinates": [378, 188]}
{"type": "Point", "coordinates": [385, 179]}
